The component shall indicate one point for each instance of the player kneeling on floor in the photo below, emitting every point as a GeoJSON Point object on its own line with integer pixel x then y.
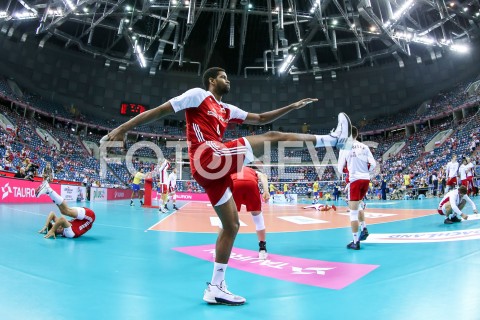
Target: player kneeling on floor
{"type": "Point", "coordinates": [452, 204]}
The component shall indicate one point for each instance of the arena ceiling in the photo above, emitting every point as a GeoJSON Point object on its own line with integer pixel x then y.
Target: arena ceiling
{"type": "Point", "coordinates": [272, 37]}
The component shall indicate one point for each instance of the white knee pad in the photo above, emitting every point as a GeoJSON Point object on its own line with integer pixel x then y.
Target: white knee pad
{"type": "Point", "coordinates": [259, 222]}
{"type": "Point", "coordinates": [353, 215]}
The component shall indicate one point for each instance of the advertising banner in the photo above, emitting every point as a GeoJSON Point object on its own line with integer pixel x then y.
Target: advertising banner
{"type": "Point", "coordinates": [73, 193]}
{"type": "Point", "coordinates": [98, 194]}
{"type": "Point", "coordinates": [22, 191]}
{"type": "Point", "coordinates": [184, 196]}
{"type": "Point", "coordinates": [119, 194]}
{"type": "Point", "coordinates": [280, 198]}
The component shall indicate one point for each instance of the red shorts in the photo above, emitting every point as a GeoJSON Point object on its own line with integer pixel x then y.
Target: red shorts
{"type": "Point", "coordinates": [172, 189]}
{"type": "Point", "coordinates": [163, 189]}
{"type": "Point", "coordinates": [465, 183]}
{"type": "Point", "coordinates": [79, 227]}
{"type": "Point", "coordinates": [214, 165]}
{"type": "Point", "coordinates": [452, 181]}
{"type": "Point", "coordinates": [358, 189]}
{"type": "Point", "coordinates": [246, 192]}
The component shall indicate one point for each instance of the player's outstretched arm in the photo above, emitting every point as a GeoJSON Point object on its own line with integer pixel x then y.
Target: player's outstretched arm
{"type": "Point", "coordinates": [159, 112]}
{"type": "Point", "coordinates": [51, 217]}
{"type": "Point", "coordinates": [270, 116]}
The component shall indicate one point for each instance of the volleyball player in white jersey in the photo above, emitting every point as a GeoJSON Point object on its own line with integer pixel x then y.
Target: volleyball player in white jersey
{"type": "Point", "coordinates": [172, 188]}
{"type": "Point", "coordinates": [451, 171]}
{"type": "Point", "coordinates": [162, 186]}
{"type": "Point", "coordinates": [360, 163]}
{"type": "Point", "coordinates": [452, 204]}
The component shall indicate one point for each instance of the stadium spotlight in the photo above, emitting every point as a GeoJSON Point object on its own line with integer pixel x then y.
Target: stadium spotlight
{"type": "Point", "coordinates": [286, 63]}
{"type": "Point", "coordinates": [460, 48]}
{"type": "Point", "coordinates": [140, 56]}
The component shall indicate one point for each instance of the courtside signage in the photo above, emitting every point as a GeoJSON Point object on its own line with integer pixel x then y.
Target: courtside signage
{"type": "Point", "coordinates": [22, 191]}
{"type": "Point", "coordinates": [442, 236]}
{"type": "Point", "coordinates": [318, 273]}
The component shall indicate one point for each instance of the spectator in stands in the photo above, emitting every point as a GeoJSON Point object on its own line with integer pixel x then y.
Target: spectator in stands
{"type": "Point", "coordinates": [47, 173]}
{"type": "Point", "coordinates": [30, 169]}
{"type": "Point", "coordinates": [407, 180]}
{"type": "Point", "coordinates": [20, 174]}
{"type": "Point", "coordinates": [383, 187]}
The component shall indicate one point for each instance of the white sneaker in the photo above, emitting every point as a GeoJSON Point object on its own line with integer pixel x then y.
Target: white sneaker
{"type": "Point", "coordinates": [343, 132]}
{"type": "Point", "coordinates": [42, 189]}
{"type": "Point", "coordinates": [218, 294]}
{"type": "Point", "coordinates": [262, 254]}
{"type": "Point", "coordinates": [162, 210]}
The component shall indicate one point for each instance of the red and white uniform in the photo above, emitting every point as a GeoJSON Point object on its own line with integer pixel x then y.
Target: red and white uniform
{"type": "Point", "coordinates": [464, 169]}
{"type": "Point", "coordinates": [172, 182]}
{"type": "Point", "coordinates": [360, 163]}
{"type": "Point", "coordinates": [454, 198]}
{"type": "Point", "coordinates": [81, 224]}
{"type": "Point", "coordinates": [245, 190]}
{"type": "Point", "coordinates": [162, 182]}
{"type": "Point", "coordinates": [211, 161]}
{"type": "Point", "coordinates": [451, 171]}
{"type": "Point", "coordinates": [470, 174]}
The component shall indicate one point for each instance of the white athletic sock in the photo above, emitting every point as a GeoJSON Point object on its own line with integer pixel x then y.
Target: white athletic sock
{"type": "Point", "coordinates": [219, 270]}
{"type": "Point", "coordinates": [325, 140]}
{"type": "Point", "coordinates": [355, 237]}
{"type": "Point", "coordinates": [363, 224]}
{"type": "Point", "coordinates": [56, 198]}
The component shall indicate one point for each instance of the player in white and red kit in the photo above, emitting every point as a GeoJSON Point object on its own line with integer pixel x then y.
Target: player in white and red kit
{"type": "Point", "coordinates": [360, 163]}
{"type": "Point", "coordinates": [82, 221]}
{"type": "Point", "coordinates": [172, 188]}
{"type": "Point", "coordinates": [162, 185]}
{"type": "Point", "coordinates": [451, 172]}
{"type": "Point", "coordinates": [245, 191]}
{"type": "Point", "coordinates": [466, 174]}
{"type": "Point", "coordinates": [212, 161]}
{"type": "Point", "coordinates": [452, 204]}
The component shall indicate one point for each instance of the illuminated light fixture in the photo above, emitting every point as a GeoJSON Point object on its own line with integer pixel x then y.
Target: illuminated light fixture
{"type": "Point", "coordinates": [55, 12]}
{"type": "Point", "coordinates": [452, 4]}
{"type": "Point", "coordinates": [3, 14]}
{"type": "Point", "coordinates": [459, 48]}
{"type": "Point", "coordinates": [174, 2]}
{"type": "Point", "coordinates": [85, 9]}
{"type": "Point", "coordinates": [477, 14]}
{"type": "Point", "coordinates": [70, 4]}
{"type": "Point", "coordinates": [286, 64]}
{"type": "Point", "coordinates": [250, 6]}
{"type": "Point", "coordinates": [424, 40]}
{"type": "Point", "coordinates": [25, 15]}
{"type": "Point", "coordinates": [465, 9]}
{"type": "Point", "coordinates": [400, 12]}
{"type": "Point", "coordinates": [373, 28]}
{"type": "Point", "coordinates": [334, 22]}
{"type": "Point", "coordinates": [140, 56]}
{"type": "Point", "coordinates": [128, 8]}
